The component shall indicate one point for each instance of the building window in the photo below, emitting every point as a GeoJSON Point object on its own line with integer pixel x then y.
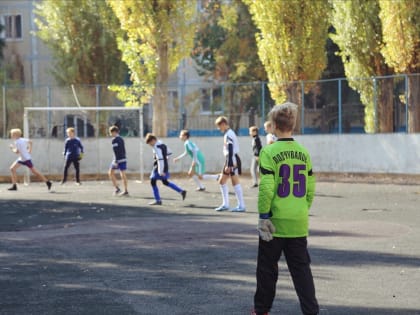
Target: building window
{"type": "Point", "coordinates": [211, 100]}
{"type": "Point", "coordinates": [12, 26]}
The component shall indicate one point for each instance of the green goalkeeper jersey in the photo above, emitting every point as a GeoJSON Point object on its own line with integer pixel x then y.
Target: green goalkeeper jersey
{"type": "Point", "coordinates": [286, 188]}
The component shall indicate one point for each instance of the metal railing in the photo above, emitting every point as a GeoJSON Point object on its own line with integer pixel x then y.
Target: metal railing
{"type": "Point", "coordinates": [327, 106]}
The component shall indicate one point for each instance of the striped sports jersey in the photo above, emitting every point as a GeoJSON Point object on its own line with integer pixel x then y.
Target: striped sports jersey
{"type": "Point", "coordinates": [230, 147]}
{"type": "Point", "coordinates": [160, 155]}
{"type": "Point", "coordinates": [287, 187]}
{"type": "Point", "coordinates": [194, 152]}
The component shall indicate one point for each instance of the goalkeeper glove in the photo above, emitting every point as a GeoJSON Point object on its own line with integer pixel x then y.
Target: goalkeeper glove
{"type": "Point", "coordinates": [80, 156]}
{"type": "Point", "coordinates": [265, 229]}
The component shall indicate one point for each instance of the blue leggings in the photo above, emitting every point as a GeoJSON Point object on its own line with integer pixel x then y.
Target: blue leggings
{"type": "Point", "coordinates": [165, 181]}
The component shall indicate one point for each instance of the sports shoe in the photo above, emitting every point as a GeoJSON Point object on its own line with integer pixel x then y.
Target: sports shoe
{"type": "Point", "coordinates": [201, 189]}
{"type": "Point", "coordinates": [49, 184]}
{"type": "Point", "coordinates": [254, 186]}
{"type": "Point", "coordinates": [123, 193]}
{"type": "Point", "coordinates": [62, 182]}
{"type": "Point", "coordinates": [13, 187]}
{"type": "Point", "coordinates": [184, 194]}
{"type": "Point", "coordinates": [254, 312]}
{"type": "Point", "coordinates": [238, 209]}
{"type": "Point", "coordinates": [78, 183]}
{"type": "Point", "coordinates": [156, 203]}
{"type": "Point", "coordinates": [221, 208]}
{"type": "Point", "coordinates": [117, 191]}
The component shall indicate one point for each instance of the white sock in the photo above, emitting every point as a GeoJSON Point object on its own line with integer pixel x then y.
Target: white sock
{"type": "Point", "coordinates": [239, 195]}
{"type": "Point", "coordinates": [225, 194]}
{"type": "Point", "coordinates": [210, 176]}
{"type": "Point", "coordinates": [197, 181]}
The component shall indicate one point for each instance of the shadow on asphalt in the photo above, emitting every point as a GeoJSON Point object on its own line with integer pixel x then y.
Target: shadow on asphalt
{"type": "Point", "coordinates": [180, 264]}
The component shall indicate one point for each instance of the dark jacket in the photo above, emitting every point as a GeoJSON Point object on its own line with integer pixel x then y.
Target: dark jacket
{"type": "Point", "coordinates": [256, 145]}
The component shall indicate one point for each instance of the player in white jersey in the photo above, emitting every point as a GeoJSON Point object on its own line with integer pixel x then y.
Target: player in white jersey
{"type": "Point", "coordinates": [23, 147]}
{"type": "Point", "coordinates": [232, 167]}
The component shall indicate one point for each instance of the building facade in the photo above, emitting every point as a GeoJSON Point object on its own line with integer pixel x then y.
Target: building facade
{"type": "Point", "coordinates": [26, 59]}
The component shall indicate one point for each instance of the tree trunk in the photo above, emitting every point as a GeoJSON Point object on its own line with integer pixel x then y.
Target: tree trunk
{"type": "Point", "coordinates": [386, 105]}
{"type": "Point", "coordinates": [235, 107]}
{"type": "Point", "coordinates": [160, 107]}
{"type": "Point", "coordinates": [413, 103]}
{"type": "Point", "coordinates": [294, 95]}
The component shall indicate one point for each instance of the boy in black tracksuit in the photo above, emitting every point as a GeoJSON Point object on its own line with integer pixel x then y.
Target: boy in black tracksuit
{"type": "Point", "coordinates": [73, 153]}
{"type": "Point", "coordinates": [256, 148]}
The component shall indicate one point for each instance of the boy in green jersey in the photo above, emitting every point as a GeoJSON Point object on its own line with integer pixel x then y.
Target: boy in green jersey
{"type": "Point", "coordinates": [286, 191]}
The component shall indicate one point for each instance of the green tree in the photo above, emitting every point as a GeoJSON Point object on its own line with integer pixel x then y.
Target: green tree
{"type": "Point", "coordinates": [291, 43]}
{"type": "Point", "coordinates": [82, 37]}
{"type": "Point", "coordinates": [225, 49]}
{"type": "Point", "coordinates": [359, 37]}
{"type": "Point", "coordinates": [401, 49]}
{"type": "Point", "coordinates": [157, 35]}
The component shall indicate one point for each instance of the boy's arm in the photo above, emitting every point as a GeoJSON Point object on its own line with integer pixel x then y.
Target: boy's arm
{"type": "Point", "coordinates": [230, 155]}
{"type": "Point", "coordinates": [310, 188]}
{"type": "Point", "coordinates": [181, 155]}
{"type": "Point", "coordinates": [265, 195]}
{"type": "Point", "coordinates": [257, 147]}
{"type": "Point", "coordinates": [161, 156]}
{"type": "Point", "coordinates": [81, 146]}
{"type": "Point", "coordinates": [194, 157]}
{"type": "Point", "coordinates": [13, 148]}
{"type": "Point", "coordinates": [266, 186]}
{"type": "Point", "coordinates": [66, 146]}
{"type": "Point", "coordinates": [29, 146]}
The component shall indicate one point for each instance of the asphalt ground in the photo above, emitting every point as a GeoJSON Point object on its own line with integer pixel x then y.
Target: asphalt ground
{"type": "Point", "coordinates": [80, 250]}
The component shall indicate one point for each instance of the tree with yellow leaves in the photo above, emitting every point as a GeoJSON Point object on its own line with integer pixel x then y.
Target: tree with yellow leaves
{"type": "Point", "coordinates": [156, 35]}
{"type": "Point", "coordinates": [291, 43]}
{"type": "Point", "coordinates": [401, 50]}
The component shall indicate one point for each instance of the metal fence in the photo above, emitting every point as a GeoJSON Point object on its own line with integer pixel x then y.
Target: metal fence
{"type": "Point", "coordinates": [327, 106]}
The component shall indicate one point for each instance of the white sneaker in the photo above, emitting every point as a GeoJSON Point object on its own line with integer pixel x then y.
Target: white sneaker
{"type": "Point", "coordinates": [238, 209]}
{"type": "Point", "coordinates": [222, 208]}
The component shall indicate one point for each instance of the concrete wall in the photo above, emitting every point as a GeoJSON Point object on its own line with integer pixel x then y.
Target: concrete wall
{"type": "Point", "coordinates": [385, 153]}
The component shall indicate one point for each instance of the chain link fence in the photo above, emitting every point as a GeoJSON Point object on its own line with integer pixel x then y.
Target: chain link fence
{"type": "Point", "coordinates": [327, 106]}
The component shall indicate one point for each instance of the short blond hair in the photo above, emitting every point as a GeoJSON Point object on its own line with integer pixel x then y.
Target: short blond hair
{"type": "Point", "coordinates": [221, 120]}
{"type": "Point", "coordinates": [16, 132]}
{"type": "Point", "coordinates": [150, 137]}
{"type": "Point", "coordinates": [70, 129]}
{"type": "Point", "coordinates": [267, 124]}
{"type": "Point", "coordinates": [284, 116]}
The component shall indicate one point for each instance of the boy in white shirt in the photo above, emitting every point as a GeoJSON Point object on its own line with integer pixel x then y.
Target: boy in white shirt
{"type": "Point", "coordinates": [232, 167]}
{"type": "Point", "coordinates": [23, 147]}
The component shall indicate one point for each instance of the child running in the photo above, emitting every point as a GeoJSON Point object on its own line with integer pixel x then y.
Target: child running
{"type": "Point", "coordinates": [73, 152]}
{"type": "Point", "coordinates": [232, 167]}
{"type": "Point", "coordinates": [160, 168]}
{"type": "Point", "coordinates": [23, 147]}
{"type": "Point", "coordinates": [198, 167]}
{"type": "Point", "coordinates": [119, 162]}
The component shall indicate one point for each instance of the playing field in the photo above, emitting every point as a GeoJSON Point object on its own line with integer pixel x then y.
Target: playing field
{"type": "Point", "coordinates": [80, 250]}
